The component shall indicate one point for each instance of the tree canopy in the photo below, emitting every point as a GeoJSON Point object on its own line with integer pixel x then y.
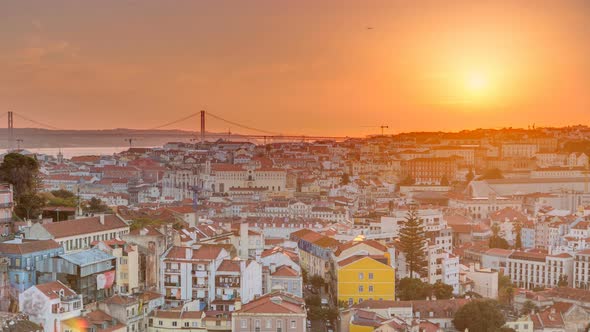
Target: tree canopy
{"type": "Point", "coordinates": [95, 205]}
{"type": "Point", "coordinates": [492, 173]}
{"type": "Point", "coordinates": [408, 289]}
{"type": "Point", "coordinates": [479, 315]}
{"type": "Point", "coordinates": [22, 172]}
{"type": "Point", "coordinates": [412, 241]}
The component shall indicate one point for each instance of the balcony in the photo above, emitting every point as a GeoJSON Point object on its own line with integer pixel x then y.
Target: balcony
{"type": "Point", "coordinates": [227, 284]}
{"type": "Point", "coordinates": [175, 271]}
{"type": "Point", "coordinates": [5, 205]}
{"type": "Point", "coordinates": [172, 284]}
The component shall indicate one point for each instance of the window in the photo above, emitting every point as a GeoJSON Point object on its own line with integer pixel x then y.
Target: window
{"type": "Point", "coordinates": [268, 323]}
{"type": "Point", "coordinates": [244, 324]}
{"type": "Point", "coordinates": [361, 300]}
{"type": "Point", "coordinates": [174, 323]}
{"type": "Point", "coordinates": [371, 288]}
{"type": "Point", "coordinates": [361, 276]}
{"type": "Point", "coordinates": [371, 276]}
{"type": "Point", "coordinates": [293, 324]}
{"type": "Point", "coordinates": [361, 288]}
{"type": "Point", "coordinates": [187, 324]}
{"type": "Point", "coordinates": [160, 323]}
{"type": "Point", "coordinates": [350, 301]}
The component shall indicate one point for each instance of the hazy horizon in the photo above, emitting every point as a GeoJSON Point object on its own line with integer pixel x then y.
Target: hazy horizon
{"type": "Point", "coordinates": [305, 67]}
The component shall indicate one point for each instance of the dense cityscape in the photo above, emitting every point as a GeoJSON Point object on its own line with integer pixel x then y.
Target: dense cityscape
{"type": "Point", "coordinates": [408, 232]}
{"type": "Point", "coordinates": [295, 166]}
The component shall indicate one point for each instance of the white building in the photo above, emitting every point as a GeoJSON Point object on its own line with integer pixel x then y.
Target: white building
{"type": "Point", "coordinates": [530, 270]}
{"type": "Point", "coordinates": [49, 304]}
{"type": "Point", "coordinates": [78, 234]}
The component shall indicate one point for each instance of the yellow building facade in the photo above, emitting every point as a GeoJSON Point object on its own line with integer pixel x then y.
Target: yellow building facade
{"type": "Point", "coordinates": [361, 278]}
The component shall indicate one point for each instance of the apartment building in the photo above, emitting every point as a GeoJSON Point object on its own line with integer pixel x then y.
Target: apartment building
{"type": "Point", "coordinates": [78, 234]}
{"type": "Point", "coordinates": [49, 304]}
{"type": "Point", "coordinates": [314, 251]}
{"type": "Point", "coordinates": [273, 312]}
{"type": "Point", "coordinates": [534, 269]}
{"type": "Point", "coordinates": [21, 256]}
{"type": "Point", "coordinates": [361, 278]}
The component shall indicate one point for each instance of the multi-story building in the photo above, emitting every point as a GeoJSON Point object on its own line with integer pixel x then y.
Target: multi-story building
{"type": "Point", "coordinates": [151, 243]}
{"type": "Point", "coordinates": [531, 269]}
{"type": "Point", "coordinates": [49, 304]}
{"type": "Point", "coordinates": [177, 320]}
{"type": "Point", "coordinates": [6, 205]}
{"type": "Point", "coordinates": [276, 311]}
{"type": "Point", "coordinates": [430, 170]}
{"type": "Point", "coordinates": [228, 176]}
{"type": "Point", "coordinates": [90, 273]}
{"type": "Point", "coordinates": [364, 277]}
{"type": "Point", "coordinates": [314, 251]}
{"type": "Point", "coordinates": [189, 273]}
{"type": "Point", "coordinates": [22, 255]}
{"type": "Point", "coordinates": [78, 234]}
{"type": "Point", "coordinates": [236, 280]}
{"type": "Point", "coordinates": [287, 279]}
{"type": "Point", "coordinates": [582, 269]}
{"type": "Point", "coordinates": [127, 257]}
{"type": "Point", "coordinates": [519, 150]}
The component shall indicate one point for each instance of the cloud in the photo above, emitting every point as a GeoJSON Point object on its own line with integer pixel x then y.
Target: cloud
{"type": "Point", "coordinates": [42, 52]}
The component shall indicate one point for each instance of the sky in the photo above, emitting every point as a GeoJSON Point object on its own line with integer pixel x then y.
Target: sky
{"type": "Point", "coordinates": [331, 67]}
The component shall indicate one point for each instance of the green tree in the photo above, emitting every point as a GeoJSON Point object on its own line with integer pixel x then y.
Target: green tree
{"type": "Point", "coordinates": [408, 289]}
{"type": "Point", "coordinates": [22, 172]}
{"type": "Point", "coordinates": [470, 175]}
{"type": "Point", "coordinates": [95, 205]}
{"type": "Point", "coordinates": [518, 241]}
{"type": "Point", "coordinates": [407, 181]}
{"type": "Point", "coordinates": [498, 242]}
{"type": "Point", "coordinates": [479, 315]}
{"type": "Point", "coordinates": [491, 174]}
{"type": "Point", "coordinates": [29, 206]}
{"type": "Point", "coordinates": [528, 307]}
{"type": "Point", "coordinates": [345, 179]}
{"type": "Point", "coordinates": [505, 289]}
{"type": "Point", "coordinates": [62, 193]}
{"type": "Point", "coordinates": [562, 282]}
{"type": "Point", "coordinates": [442, 291]}
{"type": "Point", "coordinates": [412, 241]}
{"type": "Point", "coordinates": [317, 282]}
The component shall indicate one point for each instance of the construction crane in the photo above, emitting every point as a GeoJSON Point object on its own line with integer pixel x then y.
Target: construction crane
{"type": "Point", "coordinates": [383, 127]}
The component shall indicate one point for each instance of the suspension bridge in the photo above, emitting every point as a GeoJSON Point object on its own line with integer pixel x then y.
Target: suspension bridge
{"type": "Point", "coordinates": [251, 132]}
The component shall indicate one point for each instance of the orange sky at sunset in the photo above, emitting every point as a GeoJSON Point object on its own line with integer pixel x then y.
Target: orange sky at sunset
{"type": "Point", "coordinates": [298, 67]}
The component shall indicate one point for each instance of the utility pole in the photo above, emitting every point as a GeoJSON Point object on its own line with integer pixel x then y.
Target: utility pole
{"type": "Point", "coordinates": [383, 127]}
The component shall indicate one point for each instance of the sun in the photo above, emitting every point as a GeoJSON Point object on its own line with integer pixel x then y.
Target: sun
{"type": "Point", "coordinates": [477, 83]}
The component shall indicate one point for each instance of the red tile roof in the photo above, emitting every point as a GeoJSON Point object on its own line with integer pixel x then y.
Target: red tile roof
{"type": "Point", "coordinates": [274, 303]}
{"type": "Point", "coordinates": [28, 246]}
{"type": "Point", "coordinates": [285, 271]}
{"type": "Point", "coordinates": [75, 227]}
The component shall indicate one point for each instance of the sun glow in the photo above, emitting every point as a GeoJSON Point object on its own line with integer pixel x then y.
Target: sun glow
{"type": "Point", "coordinates": [477, 83]}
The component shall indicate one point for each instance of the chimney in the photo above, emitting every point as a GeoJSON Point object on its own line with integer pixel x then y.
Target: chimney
{"type": "Point", "coordinates": [238, 304]}
{"type": "Point", "coordinates": [101, 219]}
{"type": "Point", "coordinates": [189, 253]}
{"type": "Point", "coordinates": [244, 240]}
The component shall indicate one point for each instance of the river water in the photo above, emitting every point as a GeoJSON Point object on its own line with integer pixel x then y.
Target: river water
{"type": "Point", "coordinates": [78, 151]}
